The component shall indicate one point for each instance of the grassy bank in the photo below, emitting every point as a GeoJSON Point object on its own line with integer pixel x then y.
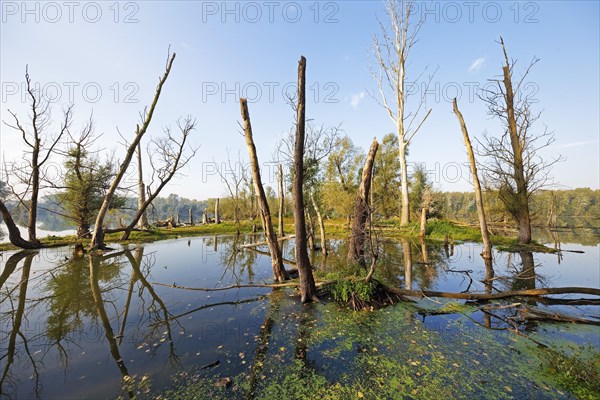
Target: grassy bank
{"type": "Point", "coordinates": [437, 230]}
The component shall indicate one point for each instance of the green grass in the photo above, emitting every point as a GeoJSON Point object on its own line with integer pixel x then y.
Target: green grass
{"type": "Point", "coordinates": [336, 229]}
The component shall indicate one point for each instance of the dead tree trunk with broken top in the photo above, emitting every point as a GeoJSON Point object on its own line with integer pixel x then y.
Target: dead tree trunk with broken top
{"type": "Point", "coordinates": [308, 291]}
{"type": "Point", "coordinates": [217, 218]}
{"type": "Point", "coordinates": [356, 252]}
{"type": "Point", "coordinates": [279, 273]}
{"type": "Point", "coordinates": [485, 236]}
{"type": "Point", "coordinates": [98, 235]}
{"type": "Point", "coordinates": [423, 230]}
{"type": "Point", "coordinates": [143, 222]}
{"type": "Point", "coordinates": [280, 231]}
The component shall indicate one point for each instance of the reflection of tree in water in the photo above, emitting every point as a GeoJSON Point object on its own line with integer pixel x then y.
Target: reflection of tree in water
{"type": "Point", "coordinates": [94, 265]}
{"type": "Point", "coordinates": [262, 345]}
{"type": "Point", "coordinates": [71, 300]}
{"type": "Point", "coordinates": [414, 261]}
{"type": "Point", "coordinates": [526, 277]}
{"type": "Point", "coordinates": [236, 261]}
{"type": "Point", "coordinates": [159, 317]}
{"type": "Point", "coordinates": [17, 315]}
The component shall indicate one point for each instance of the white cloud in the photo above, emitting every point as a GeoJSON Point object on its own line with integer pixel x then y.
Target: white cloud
{"type": "Point", "coordinates": [477, 64]}
{"type": "Point", "coordinates": [575, 144]}
{"type": "Point", "coordinates": [356, 99]}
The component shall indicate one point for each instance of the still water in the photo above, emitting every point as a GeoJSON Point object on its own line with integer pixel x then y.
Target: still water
{"type": "Point", "coordinates": [74, 327]}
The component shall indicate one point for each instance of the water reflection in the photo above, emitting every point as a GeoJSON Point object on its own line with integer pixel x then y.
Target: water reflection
{"type": "Point", "coordinates": [7, 382]}
{"type": "Point", "coordinates": [94, 264]}
{"type": "Point", "coordinates": [64, 314]}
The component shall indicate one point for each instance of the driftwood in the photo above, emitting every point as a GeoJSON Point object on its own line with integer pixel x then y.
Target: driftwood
{"type": "Point", "coordinates": [264, 242]}
{"type": "Point", "coordinates": [167, 223]}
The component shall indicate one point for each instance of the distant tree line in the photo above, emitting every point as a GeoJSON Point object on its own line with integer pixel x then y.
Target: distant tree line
{"type": "Point", "coordinates": [51, 217]}
{"type": "Point", "coordinates": [548, 207]}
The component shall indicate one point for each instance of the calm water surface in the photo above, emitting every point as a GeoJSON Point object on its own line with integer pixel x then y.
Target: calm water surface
{"type": "Point", "coordinates": [73, 327]}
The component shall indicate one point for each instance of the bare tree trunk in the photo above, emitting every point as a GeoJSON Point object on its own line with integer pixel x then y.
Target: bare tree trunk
{"type": "Point", "coordinates": [321, 225]}
{"type": "Point", "coordinates": [308, 291]}
{"type": "Point", "coordinates": [204, 218]}
{"type": "Point", "coordinates": [35, 188]}
{"type": "Point", "coordinates": [423, 231]}
{"type": "Point", "coordinates": [191, 218]}
{"type": "Point", "coordinates": [405, 205]}
{"type": "Point", "coordinates": [98, 236]}
{"type": "Point", "coordinates": [281, 233]}
{"type": "Point", "coordinates": [522, 195]}
{"type": "Point", "coordinates": [485, 236]}
{"type": "Point", "coordinates": [356, 251]}
{"type": "Point", "coordinates": [143, 222]}
{"type": "Point", "coordinates": [407, 252]}
{"type": "Point", "coordinates": [279, 273]}
{"type": "Point", "coordinates": [14, 234]}
{"type": "Point", "coordinates": [217, 218]}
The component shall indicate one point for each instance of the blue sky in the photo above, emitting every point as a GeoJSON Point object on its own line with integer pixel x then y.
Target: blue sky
{"type": "Point", "coordinates": [106, 57]}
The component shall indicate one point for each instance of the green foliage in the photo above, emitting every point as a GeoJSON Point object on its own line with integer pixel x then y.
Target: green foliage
{"type": "Point", "coordinates": [86, 181]}
{"type": "Point", "coordinates": [342, 174]}
{"type": "Point", "coordinates": [421, 190]}
{"type": "Point", "coordinates": [347, 290]}
{"type": "Point", "coordinates": [386, 178]}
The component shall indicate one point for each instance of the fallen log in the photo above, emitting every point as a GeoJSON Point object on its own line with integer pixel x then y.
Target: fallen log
{"type": "Point", "coordinates": [530, 314]}
{"type": "Point", "coordinates": [241, 286]}
{"type": "Point", "coordinates": [495, 296]}
{"type": "Point", "coordinates": [264, 242]}
{"type": "Point", "coordinates": [266, 253]}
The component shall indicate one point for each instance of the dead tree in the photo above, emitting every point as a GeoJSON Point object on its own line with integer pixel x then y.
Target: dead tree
{"type": "Point", "coordinates": [308, 291]}
{"type": "Point", "coordinates": [280, 231]}
{"type": "Point", "coordinates": [143, 222]}
{"type": "Point", "coordinates": [391, 53]}
{"type": "Point", "coordinates": [172, 157]}
{"type": "Point", "coordinates": [514, 167]}
{"type": "Point", "coordinates": [279, 274]}
{"type": "Point", "coordinates": [98, 235]}
{"type": "Point", "coordinates": [191, 217]}
{"type": "Point", "coordinates": [485, 236]}
{"type": "Point", "coordinates": [217, 218]}
{"type": "Point", "coordinates": [356, 252]}
{"type": "Point", "coordinates": [40, 147]}
{"type": "Point", "coordinates": [14, 234]}
{"type": "Point", "coordinates": [423, 230]}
